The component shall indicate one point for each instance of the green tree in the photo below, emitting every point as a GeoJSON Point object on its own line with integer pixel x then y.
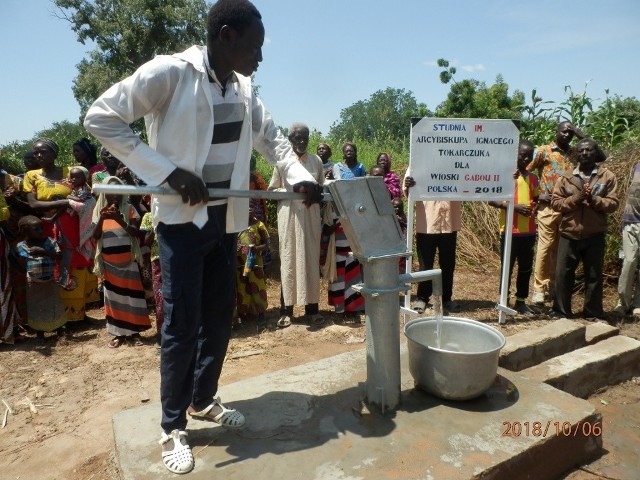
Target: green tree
{"type": "Point", "coordinates": [385, 117]}
{"type": "Point", "coordinates": [471, 98]}
{"type": "Point", "coordinates": [126, 34]}
{"type": "Point", "coordinates": [447, 74]}
{"type": "Point", "coordinates": [615, 121]}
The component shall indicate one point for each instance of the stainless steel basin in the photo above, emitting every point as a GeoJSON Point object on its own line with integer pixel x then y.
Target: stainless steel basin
{"type": "Point", "coordinates": [466, 363]}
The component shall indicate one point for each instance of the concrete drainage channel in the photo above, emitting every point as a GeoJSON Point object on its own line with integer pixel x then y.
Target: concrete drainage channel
{"type": "Point", "coordinates": [581, 360]}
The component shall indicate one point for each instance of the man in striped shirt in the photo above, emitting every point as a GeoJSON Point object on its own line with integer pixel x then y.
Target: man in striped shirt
{"type": "Point", "coordinates": [202, 119]}
{"type": "Point", "coordinates": [550, 162]}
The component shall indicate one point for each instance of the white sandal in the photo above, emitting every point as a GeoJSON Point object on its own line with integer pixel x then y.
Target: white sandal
{"type": "Point", "coordinates": [227, 418]}
{"type": "Point", "coordinates": [179, 459]}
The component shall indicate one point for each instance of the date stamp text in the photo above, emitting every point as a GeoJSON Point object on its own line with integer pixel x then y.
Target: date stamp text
{"type": "Point", "coordinates": [548, 427]}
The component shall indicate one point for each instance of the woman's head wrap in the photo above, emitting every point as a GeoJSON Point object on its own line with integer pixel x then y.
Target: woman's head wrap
{"type": "Point", "coordinates": [50, 144]}
{"type": "Point", "coordinates": [88, 148]}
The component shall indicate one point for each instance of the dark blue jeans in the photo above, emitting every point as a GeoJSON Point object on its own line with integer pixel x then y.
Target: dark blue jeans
{"type": "Point", "coordinates": [199, 281]}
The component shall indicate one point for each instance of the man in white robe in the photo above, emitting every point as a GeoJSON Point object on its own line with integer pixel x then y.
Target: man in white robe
{"type": "Point", "coordinates": [299, 229]}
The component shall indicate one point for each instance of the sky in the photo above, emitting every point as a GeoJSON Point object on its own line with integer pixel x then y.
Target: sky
{"type": "Point", "coordinates": [321, 56]}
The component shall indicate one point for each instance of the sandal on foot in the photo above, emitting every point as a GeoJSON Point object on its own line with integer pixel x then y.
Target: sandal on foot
{"type": "Point", "coordinates": [136, 341]}
{"type": "Point", "coordinates": [284, 321]}
{"type": "Point", "coordinates": [179, 459]}
{"type": "Point", "coordinates": [115, 342]}
{"type": "Point", "coordinates": [227, 417]}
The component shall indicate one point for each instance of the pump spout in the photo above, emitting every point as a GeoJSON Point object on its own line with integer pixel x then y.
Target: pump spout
{"type": "Point", "coordinates": [434, 275]}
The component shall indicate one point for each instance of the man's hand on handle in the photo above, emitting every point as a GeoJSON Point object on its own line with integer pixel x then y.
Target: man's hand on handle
{"type": "Point", "coordinates": [312, 191]}
{"type": "Point", "coordinates": [189, 186]}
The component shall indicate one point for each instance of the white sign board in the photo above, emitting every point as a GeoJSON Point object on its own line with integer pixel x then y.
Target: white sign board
{"type": "Point", "coordinates": [463, 159]}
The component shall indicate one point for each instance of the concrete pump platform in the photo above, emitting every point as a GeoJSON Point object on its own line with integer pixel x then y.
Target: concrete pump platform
{"type": "Point", "coordinates": [310, 422]}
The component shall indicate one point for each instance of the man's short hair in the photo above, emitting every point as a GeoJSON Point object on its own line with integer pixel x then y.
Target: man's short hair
{"type": "Point", "coordinates": [236, 13]}
{"type": "Point", "coordinates": [527, 143]}
{"type": "Point", "coordinates": [298, 126]}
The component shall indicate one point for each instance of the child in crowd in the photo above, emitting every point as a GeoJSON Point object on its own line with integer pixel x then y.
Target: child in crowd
{"type": "Point", "coordinates": [523, 240]}
{"type": "Point", "coordinates": [79, 178]}
{"type": "Point", "coordinates": [118, 258]}
{"type": "Point", "coordinates": [146, 237]}
{"type": "Point", "coordinates": [261, 210]}
{"type": "Point", "coordinates": [376, 171]}
{"type": "Point", "coordinates": [156, 273]}
{"type": "Point", "coordinates": [398, 208]}
{"type": "Point", "coordinates": [256, 182]}
{"type": "Point", "coordinates": [81, 203]}
{"type": "Point", "coordinates": [251, 294]}
{"type": "Point", "coordinates": [29, 162]}
{"type": "Point", "coordinates": [45, 311]}
{"type": "Point", "coordinates": [79, 196]}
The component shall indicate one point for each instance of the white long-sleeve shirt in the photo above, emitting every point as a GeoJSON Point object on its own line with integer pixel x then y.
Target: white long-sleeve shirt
{"type": "Point", "coordinates": [173, 95]}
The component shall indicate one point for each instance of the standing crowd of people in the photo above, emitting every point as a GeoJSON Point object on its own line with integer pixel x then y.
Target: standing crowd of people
{"type": "Point", "coordinates": [64, 250]}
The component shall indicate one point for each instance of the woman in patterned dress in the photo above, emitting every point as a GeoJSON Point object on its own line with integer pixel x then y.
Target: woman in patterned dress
{"type": "Point", "coordinates": [118, 258]}
{"type": "Point", "coordinates": [348, 271]}
{"type": "Point", "coordinates": [47, 189]}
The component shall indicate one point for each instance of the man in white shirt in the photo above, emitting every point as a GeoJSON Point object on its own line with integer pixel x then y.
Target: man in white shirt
{"type": "Point", "coordinates": [437, 225]}
{"type": "Point", "coordinates": [202, 121]}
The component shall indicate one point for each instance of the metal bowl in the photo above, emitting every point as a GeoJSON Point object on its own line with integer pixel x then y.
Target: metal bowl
{"type": "Point", "coordinates": [466, 363]}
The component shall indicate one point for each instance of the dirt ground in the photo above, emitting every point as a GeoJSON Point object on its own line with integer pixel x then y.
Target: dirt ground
{"type": "Point", "coordinates": [63, 395]}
